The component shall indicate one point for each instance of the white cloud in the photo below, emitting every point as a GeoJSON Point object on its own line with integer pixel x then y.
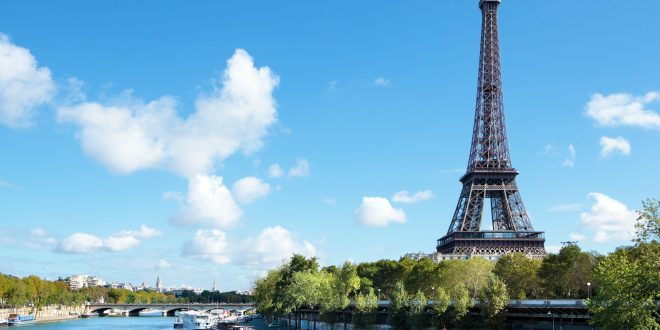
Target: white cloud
{"type": "Point", "coordinates": [84, 243]}
{"type": "Point", "coordinates": [378, 212]}
{"type": "Point", "coordinates": [249, 189]}
{"type": "Point", "coordinates": [80, 243]}
{"type": "Point", "coordinates": [273, 246]}
{"type": "Point", "coordinates": [301, 168]}
{"type": "Point", "coordinates": [621, 109]}
{"type": "Point", "coordinates": [275, 171]}
{"type": "Point", "coordinates": [576, 237]}
{"type": "Point", "coordinates": [130, 135]}
{"type": "Point", "coordinates": [120, 243]}
{"type": "Point", "coordinates": [23, 85]}
{"type": "Point", "coordinates": [382, 81]}
{"type": "Point", "coordinates": [405, 197]}
{"type": "Point", "coordinates": [270, 248]}
{"type": "Point", "coordinates": [209, 203]}
{"type": "Point", "coordinates": [209, 245]}
{"type": "Point", "coordinates": [609, 218]}
{"type": "Point", "coordinates": [610, 146]}
{"type": "Point", "coordinates": [565, 155]}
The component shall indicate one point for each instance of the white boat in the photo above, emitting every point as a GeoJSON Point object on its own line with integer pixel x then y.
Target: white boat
{"type": "Point", "coordinates": [193, 320]}
{"type": "Point", "coordinates": [178, 322]}
{"type": "Point", "coordinates": [16, 319]}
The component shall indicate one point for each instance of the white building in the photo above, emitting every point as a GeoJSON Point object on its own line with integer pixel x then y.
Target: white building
{"type": "Point", "coordinates": [77, 282]}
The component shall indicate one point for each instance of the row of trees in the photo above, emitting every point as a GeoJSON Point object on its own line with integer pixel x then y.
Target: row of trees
{"type": "Point", "coordinates": [35, 292]}
{"type": "Point", "coordinates": [624, 285]}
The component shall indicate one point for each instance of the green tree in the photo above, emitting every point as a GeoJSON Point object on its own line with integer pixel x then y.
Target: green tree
{"type": "Point", "coordinates": [399, 305]}
{"type": "Point", "coordinates": [365, 304]}
{"type": "Point", "coordinates": [308, 289]}
{"type": "Point", "coordinates": [264, 292]}
{"type": "Point", "coordinates": [628, 286]}
{"type": "Point", "coordinates": [493, 299]}
{"type": "Point", "coordinates": [519, 273]}
{"type": "Point", "coordinates": [460, 295]}
{"type": "Point", "coordinates": [566, 274]}
{"type": "Point", "coordinates": [417, 306]}
{"type": "Point", "coordinates": [441, 301]}
{"type": "Point", "coordinates": [472, 274]}
{"type": "Point", "coordinates": [648, 223]}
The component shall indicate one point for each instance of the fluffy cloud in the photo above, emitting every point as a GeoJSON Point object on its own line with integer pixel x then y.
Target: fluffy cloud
{"type": "Point", "coordinates": [405, 197]}
{"type": "Point", "coordinates": [23, 85]}
{"type": "Point", "coordinates": [609, 218]}
{"type": "Point", "coordinates": [130, 135]}
{"type": "Point", "coordinates": [209, 245]}
{"type": "Point", "coordinates": [301, 168]}
{"type": "Point", "coordinates": [609, 146]}
{"type": "Point", "coordinates": [87, 243]}
{"type": "Point", "coordinates": [275, 171]}
{"type": "Point", "coordinates": [378, 212]}
{"type": "Point", "coordinates": [209, 203]}
{"type": "Point", "coordinates": [621, 109]}
{"type": "Point", "coordinates": [270, 248]}
{"type": "Point", "coordinates": [249, 189]}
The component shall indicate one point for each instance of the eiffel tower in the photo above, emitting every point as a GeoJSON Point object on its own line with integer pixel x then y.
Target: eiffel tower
{"type": "Point", "coordinates": [489, 172]}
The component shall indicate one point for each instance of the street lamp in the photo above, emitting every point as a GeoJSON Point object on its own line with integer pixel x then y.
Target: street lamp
{"type": "Point", "coordinates": [553, 320]}
{"type": "Point", "coordinates": [589, 289]}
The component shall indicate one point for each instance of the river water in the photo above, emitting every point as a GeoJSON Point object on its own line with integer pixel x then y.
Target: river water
{"type": "Point", "coordinates": [112, 323]}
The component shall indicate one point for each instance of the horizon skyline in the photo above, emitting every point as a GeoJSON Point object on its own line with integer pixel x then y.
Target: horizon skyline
{"type": "Point", "coordinates": [244, 138]}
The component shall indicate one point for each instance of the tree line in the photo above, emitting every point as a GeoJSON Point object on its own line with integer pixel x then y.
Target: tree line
{"type": "Point", "coordinates": [621, 288]}
{"type": "Point", "coordinates": [35, 292]}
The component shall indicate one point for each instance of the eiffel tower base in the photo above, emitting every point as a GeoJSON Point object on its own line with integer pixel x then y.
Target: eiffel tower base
{"type": "Point", "coordinates": [492, 243]}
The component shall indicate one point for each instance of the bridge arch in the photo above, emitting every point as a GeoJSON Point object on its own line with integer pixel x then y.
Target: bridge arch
{"type": "Point", "coordinates": [102, 310]}
{"type": "Point", "coordinates": [172, 312]}
{"type": "Point", "coordinates": [136, 311]}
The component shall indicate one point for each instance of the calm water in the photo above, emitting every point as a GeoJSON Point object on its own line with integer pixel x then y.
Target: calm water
{"type": "Point", "coordinates": [108, 323]}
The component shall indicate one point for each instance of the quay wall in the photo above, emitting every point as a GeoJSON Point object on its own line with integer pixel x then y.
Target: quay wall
{"type": "Point", "coordinates": [47, 313]}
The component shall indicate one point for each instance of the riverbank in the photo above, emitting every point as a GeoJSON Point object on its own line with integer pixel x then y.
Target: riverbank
{"type": "Point", "coordinates": [47, 313]}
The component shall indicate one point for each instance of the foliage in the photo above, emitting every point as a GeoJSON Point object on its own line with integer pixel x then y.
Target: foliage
{"type": "Point", "coordinates": [493, 299]}
{"type": "Point", "coordinates": [519, 273]}
{"type": "Point", "coordinates": [648, 224]}
{"type": "Point", "coordinates": [472, 274]}
{"type": "Point", "coordinates": [399, 307]}
{"type": "Point", "coordinates": [365, 304]}
{"type": "Point", "coordinates": [462, 302]}
{"type": "Point", "coordinates": [629, 284]}
{"type": "Point", "coordinates": [566, 274]}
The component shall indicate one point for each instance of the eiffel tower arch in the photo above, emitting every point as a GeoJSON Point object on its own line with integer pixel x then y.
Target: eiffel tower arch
{"type": "Point", "coordinates": [490, 175]}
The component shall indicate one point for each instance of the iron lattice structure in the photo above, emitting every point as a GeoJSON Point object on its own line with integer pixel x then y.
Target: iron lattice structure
{"type": "Point", "coordinates": [489, 172]}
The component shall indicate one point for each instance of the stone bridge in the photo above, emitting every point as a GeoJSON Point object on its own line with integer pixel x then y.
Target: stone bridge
{"type": "Point", "coordinates": [165, 309]}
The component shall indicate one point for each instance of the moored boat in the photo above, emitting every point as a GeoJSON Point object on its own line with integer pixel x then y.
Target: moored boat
{"type": "Point", "coordinates": [193, 320]}
{"type": "Point", "coordinates": [16, 319]}
{"type": "Point", "coordinates": [178, 322]}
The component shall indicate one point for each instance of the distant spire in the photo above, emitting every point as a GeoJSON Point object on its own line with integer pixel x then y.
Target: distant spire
{"type": "Point", "coordinates": [213, 289]}
{"type": "Point", "coordinates": [158, 284]}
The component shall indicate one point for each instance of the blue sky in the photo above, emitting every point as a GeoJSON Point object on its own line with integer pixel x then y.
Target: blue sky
{"type": "Point", "coordinates": [128, 130]}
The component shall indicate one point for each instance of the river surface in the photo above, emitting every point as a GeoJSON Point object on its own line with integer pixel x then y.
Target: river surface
{"type": "Point", "coordinates": [112, 323]}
